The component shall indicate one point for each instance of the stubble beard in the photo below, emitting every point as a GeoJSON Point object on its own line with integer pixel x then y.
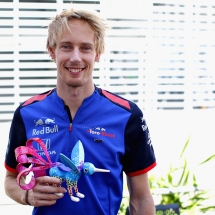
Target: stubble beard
{"type": "Point", "coordinates": [74, 84]}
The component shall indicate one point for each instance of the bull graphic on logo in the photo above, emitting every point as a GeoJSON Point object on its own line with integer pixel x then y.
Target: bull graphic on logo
{"type": "Point", "coordinates": [44, 121]}
{"type": "Point", "coordinates": [48, 121]}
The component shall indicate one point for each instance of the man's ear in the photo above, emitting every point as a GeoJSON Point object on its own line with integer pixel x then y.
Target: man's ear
{"type": "Point", "coordinates": [97, 58]}
{"type": "Point", "coordinates": [51, 52]}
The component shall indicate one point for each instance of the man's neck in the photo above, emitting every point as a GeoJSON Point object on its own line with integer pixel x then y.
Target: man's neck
{"type": "Point", "coordinates": [74, 96]}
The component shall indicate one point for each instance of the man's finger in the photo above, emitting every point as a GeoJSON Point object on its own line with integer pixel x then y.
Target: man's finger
{"type": "Point", "coordinates": [48, 180]}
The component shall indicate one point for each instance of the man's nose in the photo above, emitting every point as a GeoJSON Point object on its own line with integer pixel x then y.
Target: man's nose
{"type": "Point", "coordinates": [75, 55]}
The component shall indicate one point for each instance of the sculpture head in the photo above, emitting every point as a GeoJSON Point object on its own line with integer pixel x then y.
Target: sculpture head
{"type": "Point", "coordinates": [89, 169]}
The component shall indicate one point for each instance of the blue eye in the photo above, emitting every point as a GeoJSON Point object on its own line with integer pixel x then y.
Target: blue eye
{"type": "Point", "coordinates": [86, 48]}
{"type": "Point", "coordinates": [65, 47]}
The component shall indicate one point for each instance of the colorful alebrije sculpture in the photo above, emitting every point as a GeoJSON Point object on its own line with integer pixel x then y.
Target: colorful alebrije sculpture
{"type": "Point", "coordinates": [69, 170]}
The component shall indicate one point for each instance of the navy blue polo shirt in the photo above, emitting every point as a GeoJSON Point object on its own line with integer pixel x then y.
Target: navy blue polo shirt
{"type": "Point", "coordinates": [114, 135]}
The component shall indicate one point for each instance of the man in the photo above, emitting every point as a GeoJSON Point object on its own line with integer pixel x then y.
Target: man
{"type": "Point", "coordinates": [112, 129]}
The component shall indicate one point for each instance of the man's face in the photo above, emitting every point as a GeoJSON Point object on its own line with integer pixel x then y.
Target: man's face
{"type": "Point", "coordinates": [75, 55]}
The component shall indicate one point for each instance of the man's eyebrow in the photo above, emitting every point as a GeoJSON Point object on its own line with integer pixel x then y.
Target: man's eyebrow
{"type": "Point", "coordinates": [87, 44]}
{"type": "Point", "coordinates": [84, 43]}
{"type": "Point", "coordinates": [65, 42]}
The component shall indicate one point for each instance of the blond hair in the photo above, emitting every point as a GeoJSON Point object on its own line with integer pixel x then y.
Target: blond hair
{"type": "Point", "coordinates": [60, 23]}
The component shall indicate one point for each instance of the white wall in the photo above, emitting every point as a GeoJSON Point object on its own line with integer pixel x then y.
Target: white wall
{"type": "Point", "coordinates": [159, 53]}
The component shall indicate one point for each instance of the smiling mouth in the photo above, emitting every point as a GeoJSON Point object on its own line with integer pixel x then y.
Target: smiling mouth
{"type": "Point", "coordinates": [73, 70]}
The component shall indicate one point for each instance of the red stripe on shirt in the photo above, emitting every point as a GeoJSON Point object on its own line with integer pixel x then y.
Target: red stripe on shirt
{"type": "Point", "coordinates": [141, 171]}
{"type": "Point", "coordinates": [116, 99]}
{"type": "Point", "coordinates": [10, 169]}
{"type": "Point", "coordinates": [37, 98]}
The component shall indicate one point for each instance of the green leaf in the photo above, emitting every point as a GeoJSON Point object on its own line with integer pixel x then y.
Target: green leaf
{"type": "Point", "coordinates": [183, 173]}
{"type": "Point", "coordinates": [205, 209]}
{"type": "Point", "coordinates": [185, 146]}
{"type": "Point", "coordinates": [208, 159]}
{"type": "Point", "coordinates": [169, 178]}
{"type": "Point", "coordinates": [186, 178]}
{"type": "Point", "coordinates": [194, 181]}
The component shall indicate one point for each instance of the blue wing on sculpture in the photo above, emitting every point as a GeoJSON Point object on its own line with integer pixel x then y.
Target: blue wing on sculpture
{"type": "Point", "coordinates": [66, 161]}
{"type": "Point", "coordinates": [77, 155]}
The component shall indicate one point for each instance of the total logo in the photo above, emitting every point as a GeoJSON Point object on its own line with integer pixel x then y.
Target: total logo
{"type": "Point", "coordinates": [144, 126]}
{"type": "Point", "coordinates": [44, 122]}
{"type": "Point", "coordinates": [149, 139]}
{"type": "Point", "coordinates": [100, 131]}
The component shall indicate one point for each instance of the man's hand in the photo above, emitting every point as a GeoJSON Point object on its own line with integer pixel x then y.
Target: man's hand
{"type": "Point", "coordinates": [43, 194]}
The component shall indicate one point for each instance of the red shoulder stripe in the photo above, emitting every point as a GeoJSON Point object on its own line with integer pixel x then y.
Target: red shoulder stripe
{"type": "Point", "coordinates": [116, 99]}
{"type": "Point", "coordinates": [141, 171]}
{"type": "Point", "coordinates": [37, 98]}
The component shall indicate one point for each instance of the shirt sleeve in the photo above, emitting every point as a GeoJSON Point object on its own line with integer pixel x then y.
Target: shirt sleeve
{"type": "Point", "coordinates": [17, 137]}
{"type": "Point", "coordinates": [139, 155]}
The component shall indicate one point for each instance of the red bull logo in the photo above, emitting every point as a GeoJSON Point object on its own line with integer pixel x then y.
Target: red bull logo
{"type": "Point", "coordinates": [45, 130]}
